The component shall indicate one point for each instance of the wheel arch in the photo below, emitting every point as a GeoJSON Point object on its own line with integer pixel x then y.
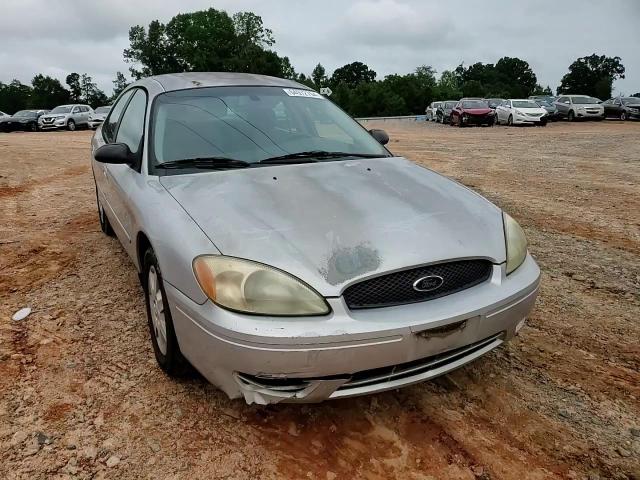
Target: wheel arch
{"type": "Point", "coordinates": [142, 245]}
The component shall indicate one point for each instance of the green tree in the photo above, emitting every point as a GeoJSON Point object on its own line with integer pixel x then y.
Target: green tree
{"type": "Point", "coordinates": [516, 77]}
{"type": "Point", "coordinates": [353, 74]}
{"type": "Point", "coordinates": [73, 80]}
{"type": "Point", "coordinates": [119, 84]}
{"type": "Point", "coordinates": [14, 96]}
{"type": "Point", "coordinates": [448, 86]}
{"type": "Point", "coordinates": [208, 40]}
{"type": "Point", "coordinates": [48, 92]}
{"type": "Point", "coordinates": [91, 94]}
{"type": "Point", "coordinates": [636, 94]}
{"type": "Point", "coordinates": [592, 75]}
{"type": "Point", "coordinates": [319, 76]}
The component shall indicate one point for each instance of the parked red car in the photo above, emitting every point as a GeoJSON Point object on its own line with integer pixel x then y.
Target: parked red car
{"type": "Point", "coordinates": [472, 112]}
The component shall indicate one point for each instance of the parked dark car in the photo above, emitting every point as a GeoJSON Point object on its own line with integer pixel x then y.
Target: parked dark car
{"type": "Point", "coordinates": [443, 114]}
{"type": "Point", "coordinates": [623, 108]}
{"type": "Point", "coordinates": [24, 120]}
{"type": "Point", "coordinates": [472, 112]}
{"type": "Point", "coordinates": [547, 104]}
{"type": "Point", "coordinates": [494, 102]}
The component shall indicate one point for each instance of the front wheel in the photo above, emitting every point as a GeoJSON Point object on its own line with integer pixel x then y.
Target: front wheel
{"type": "Point", "coordinates": [105, 225]}
{"type": "Point", "coordinates": [32, 127]}
{"type": "Point", "coordinates": [163, 335]}
{"type": "Point", "coordinates": [510, 120]}
{"type": "Point", "coordinates": [571, 116]}
{"type": "Point", "coordinates": [623, 115]}
{"type": "Point", "coordinates": [71, 125]}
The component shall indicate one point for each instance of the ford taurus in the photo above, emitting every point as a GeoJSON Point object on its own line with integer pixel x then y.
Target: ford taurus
{"type": "Point", "coordinates": [287, 255]}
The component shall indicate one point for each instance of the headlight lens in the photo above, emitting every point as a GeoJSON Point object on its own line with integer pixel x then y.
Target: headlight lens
{"type": "Point", "coordinates": [251, 287]}
{"type": "Point", "coordinates": [516, 243]}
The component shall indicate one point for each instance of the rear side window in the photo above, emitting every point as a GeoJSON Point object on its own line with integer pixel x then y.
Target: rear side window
{"type": "Point", "coordinates": [131, 127]}
{"type": "Point", "coordinates": [110, 125]}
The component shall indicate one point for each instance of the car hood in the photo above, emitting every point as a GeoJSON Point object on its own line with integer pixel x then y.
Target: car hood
{"type": "Point", "coordinates": [477, 111]}
{"type": "Point", "coordinates": [16, 119]}
{"type": "Point", "coordinates": [332, 223]}
{"type": "Point", "coordinates": [532, 110]}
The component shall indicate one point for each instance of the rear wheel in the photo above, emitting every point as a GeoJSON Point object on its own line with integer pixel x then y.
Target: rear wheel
{"type": "Point", "coordinates": [571, 116]}
{"type": "Point", "coordinates": [163, 335]}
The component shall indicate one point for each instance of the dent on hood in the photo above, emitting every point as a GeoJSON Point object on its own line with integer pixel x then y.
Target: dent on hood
{"type": "Point", "coordinates": [346, 263]}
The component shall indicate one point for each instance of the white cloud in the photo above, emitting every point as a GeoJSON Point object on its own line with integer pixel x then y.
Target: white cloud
{"type": "Point", "coordinates": [60, 36]}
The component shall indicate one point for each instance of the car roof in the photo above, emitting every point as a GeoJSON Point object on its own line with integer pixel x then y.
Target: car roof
{"type": "Point", "coordinates": [182, 81]}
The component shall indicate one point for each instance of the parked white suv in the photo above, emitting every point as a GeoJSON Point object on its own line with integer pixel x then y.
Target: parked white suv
{"type": "Point", "coordinates": [66, 116]}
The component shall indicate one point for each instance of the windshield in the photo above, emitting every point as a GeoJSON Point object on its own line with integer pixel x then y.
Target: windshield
{"type": "Point", "coordinates": [25, 113]}
{"type": "Point", "coordinates": [104, 110]}
{"type": "Point", "coordinates": [631, 101]}
{"type": "Point", "coordinates": [61, 110]}
{"type": "Point", "coordinates": [450, 104]}
{"type": "Point", "coordinates": [525, 104]}
{"type": "Point", "coordinates": [584, 100]}
{"type": "Point", "coordinates": [252, 124]}
{"type": "Point", "coordinates": [494, 102]}
{"type": "Point", "coordinates": [544, 103]}
{"type": "Point", "coordinates": [474, 104]}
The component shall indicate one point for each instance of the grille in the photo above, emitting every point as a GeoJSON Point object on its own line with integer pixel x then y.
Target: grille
{"type": "Point", "coordinates": [378, 376]}
{"type": "Point", "coordinates": [397, 288]}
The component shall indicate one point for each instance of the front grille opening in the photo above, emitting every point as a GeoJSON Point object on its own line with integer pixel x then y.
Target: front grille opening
{"type": "Point", "coordinates": [397, 288]}
{"type": "Point", "coordinates": [417, 367]}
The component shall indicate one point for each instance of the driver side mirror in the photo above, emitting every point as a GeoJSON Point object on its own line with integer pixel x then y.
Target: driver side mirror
{"type": "Point", "coordinates": [380, 135]}
{"type": "Point", "coordinates": [114, 153]}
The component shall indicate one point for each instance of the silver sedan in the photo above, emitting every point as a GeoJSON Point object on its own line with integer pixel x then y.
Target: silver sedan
{"type": "Point", "coordinates": [287, 255]}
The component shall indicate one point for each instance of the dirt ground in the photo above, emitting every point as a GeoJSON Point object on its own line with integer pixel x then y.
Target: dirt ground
{"type": "Point", "coordinates": [81, 396]}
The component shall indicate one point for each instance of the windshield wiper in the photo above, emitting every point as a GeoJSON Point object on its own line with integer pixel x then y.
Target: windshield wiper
{"type": "Point", "coordinates": [209, 163]}
{"type": "Point", "coordinates": [312, 155]}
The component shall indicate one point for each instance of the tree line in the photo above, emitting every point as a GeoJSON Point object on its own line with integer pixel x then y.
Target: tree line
{"type": "Point", "coordinates": [212, 40]}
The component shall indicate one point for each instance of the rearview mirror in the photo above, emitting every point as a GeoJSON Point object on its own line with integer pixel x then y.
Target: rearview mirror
{"type": "Point", "coordinates": [380, 135]}
{"type": "Point", "coordinates": [114, 153]}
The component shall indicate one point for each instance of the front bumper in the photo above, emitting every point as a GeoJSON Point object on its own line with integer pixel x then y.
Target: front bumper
{"type": "Point", "coordinates": [528, 120]}
{"type": "Point", "coordinates": [56, 124]}
{"type": "Point", "coordinates": [93, 124]}
{"type": "Point", "coordinates": [478, 119]}
{"type": "Point", "coordinates": [597, 114]}
{"type": "Point", "coordinates": [348, 353]}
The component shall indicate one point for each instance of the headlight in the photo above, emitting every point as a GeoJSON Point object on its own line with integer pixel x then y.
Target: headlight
{"type": "Point", "coordinates": [516, 243]}
{"type": "Point", "coordinates": [251, 287]}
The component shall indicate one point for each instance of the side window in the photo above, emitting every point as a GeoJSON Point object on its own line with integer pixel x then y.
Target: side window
{"type": "Point", "coordinates": [131, 127]}
{"type": "Point", "coordinates": [110, 124]}
{"type": "Point", "coordinates": [74, 110]}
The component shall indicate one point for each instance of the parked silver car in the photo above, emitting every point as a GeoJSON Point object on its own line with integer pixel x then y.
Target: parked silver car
{"type": "Point", "coordinates": [97, 117]}
{"type": "Point", "coordinates": [432, 111]}
{"type": "Point", "coordinates": [287, 255]}
{"type": "Point", "coordinates": [66, 116]}
{"type": "Point", "coordinates": [574, 107]}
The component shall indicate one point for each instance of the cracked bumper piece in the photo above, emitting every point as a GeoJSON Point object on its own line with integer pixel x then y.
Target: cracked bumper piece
{"type": "Point", "coordinates": [349, 353]}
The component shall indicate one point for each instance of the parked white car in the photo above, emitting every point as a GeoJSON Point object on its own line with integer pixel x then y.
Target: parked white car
{"type": "Point", "coordinates": [432, 111]}
{"type": "Point", "coordinates": [97, 117]}
{"type": "Point", "coordinates": [66, 116]}
{"type": "Point", "coordinates": [521, 112]}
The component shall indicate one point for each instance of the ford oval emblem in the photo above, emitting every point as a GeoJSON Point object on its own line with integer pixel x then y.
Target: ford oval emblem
{"type": "Point", "coordinates": [428, 283]}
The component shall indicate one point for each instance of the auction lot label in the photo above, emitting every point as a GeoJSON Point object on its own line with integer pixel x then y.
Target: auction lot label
{"type": "Point", "coordinates": [296, 92]}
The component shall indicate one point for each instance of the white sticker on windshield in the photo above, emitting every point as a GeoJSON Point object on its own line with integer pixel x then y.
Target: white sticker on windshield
{"type": "Point", "coordinates": [297, 92]}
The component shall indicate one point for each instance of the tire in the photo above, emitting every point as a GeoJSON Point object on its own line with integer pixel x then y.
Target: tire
{"type": "Point", "coordinates": [105, 225]}
{"type": "Point", "coordinates": [163, 335]}
{"type": "Point", "coordinates": [71, 125]}
{"type": "Point", "coordinates": [460, 122]}
{"type": "Point", "coordinates": [510, 121]}
{"type": "Point", "coordinates": [623, 116]}
{"type": "Point", "coordinates": [32, 127]}
{"type": "Point", "coordinates": [571, 116]}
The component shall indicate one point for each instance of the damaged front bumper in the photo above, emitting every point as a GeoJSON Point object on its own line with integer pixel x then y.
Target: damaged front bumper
{"type": "Point", "coordinates": [349, 353]}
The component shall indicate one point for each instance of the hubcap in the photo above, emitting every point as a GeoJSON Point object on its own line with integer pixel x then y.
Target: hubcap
{"type": "Point", "coordinates": [156, 308]}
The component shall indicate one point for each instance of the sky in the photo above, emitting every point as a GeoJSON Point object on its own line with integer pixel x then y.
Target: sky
{"type": "Point", "coordinates": [56, 37]}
